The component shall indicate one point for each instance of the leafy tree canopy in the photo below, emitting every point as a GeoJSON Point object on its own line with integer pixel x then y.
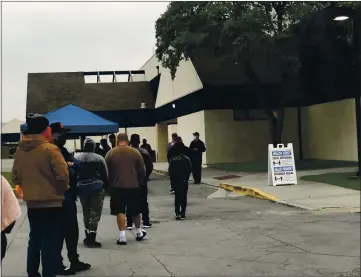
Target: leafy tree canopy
{"type": "Point", "coordinates": [191, 29]}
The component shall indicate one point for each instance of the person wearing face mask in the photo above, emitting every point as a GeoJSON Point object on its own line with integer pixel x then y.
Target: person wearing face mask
{"type": "Point", "coordinates": [197, 148]}
{"type": "Point", "coordinates": [70, 228]}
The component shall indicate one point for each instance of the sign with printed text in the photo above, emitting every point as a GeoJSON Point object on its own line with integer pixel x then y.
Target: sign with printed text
{"type": "Point", "coordinates": [281, 165]}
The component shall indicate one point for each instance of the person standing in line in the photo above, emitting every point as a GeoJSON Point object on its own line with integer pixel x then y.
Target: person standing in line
{"type": "Point", "coordinates": [197, 148]}
{"type": "Point", "coordinates": [146, 146]}
{"type": "Point", "coordinates": [70, 220]}
{"type": "Point", "coordinates": [169, 156]}
{"type": "Point", "coordinates": [10, 212]}
{"type": "Point", "coordinates": [180, 168]}
{"type": "Point", "coordinates": [42, 173]}
{"type": "Point", "coordinates": [92, 181]}
{"type": "Point", "coordinates": [126, 176]}
{"type": "Point", "coordinates": [105, 146]}
{"type": "Point", "coordinates": [112, 140]}
{"type": "Point", "coordinates": [134, 142]}
{"type": "Point", "coordinates": [98, 150]}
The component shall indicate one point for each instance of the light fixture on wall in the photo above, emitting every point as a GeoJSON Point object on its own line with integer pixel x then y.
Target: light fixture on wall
{"type": "Point", "coordinates": [143, 105]}
{"type": "Point", "coordinates": [173, 106]}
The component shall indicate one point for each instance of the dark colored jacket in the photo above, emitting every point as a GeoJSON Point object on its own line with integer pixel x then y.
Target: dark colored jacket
{"type": "Point", "coordinates": [174, 151]}
{"type": "Point", "coordinates": [71, 194]}
{"type": "Point", "coordinates": [180, 166]}
{"type": "Point", "coordinates": [41, 171]}
{"type": "Point", "coordinates": [148, 162]}
{"type": "Point", "coordinates": [92, 172]}
{"type": "Point", "coordinates": [197, 148]}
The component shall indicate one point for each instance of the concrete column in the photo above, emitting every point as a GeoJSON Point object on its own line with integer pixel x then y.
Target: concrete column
{"type": "Point", "coordinates": [162, 141]}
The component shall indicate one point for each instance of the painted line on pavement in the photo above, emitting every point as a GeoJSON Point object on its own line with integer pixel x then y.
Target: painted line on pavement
{"type": "Point", "coordinates": [253, 192]}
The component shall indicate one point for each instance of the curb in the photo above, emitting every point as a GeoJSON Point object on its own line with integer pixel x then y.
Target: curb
{"type": "Point", "coordinates": [257, 193]}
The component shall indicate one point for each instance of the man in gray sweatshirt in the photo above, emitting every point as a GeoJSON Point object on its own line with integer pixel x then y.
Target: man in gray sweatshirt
{"type": "Point", "coordinates": [92, 181]}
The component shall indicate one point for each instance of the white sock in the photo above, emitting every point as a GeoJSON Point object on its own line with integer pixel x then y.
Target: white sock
{"type": "Point", "coordinates": [139, 231]}
{"type": "Point", "coordinates": [122, 236]}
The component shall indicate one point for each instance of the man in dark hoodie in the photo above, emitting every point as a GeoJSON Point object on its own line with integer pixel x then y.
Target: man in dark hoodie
{"type": "Point", "coordinates": [180, 168]}
{"type": "Point", "coordinates": [92, 182]}
{"type": "Point", "coordinates": [71, 228]}
{"type": "Point", "coordinates": [135, 142]}
{"type": "Point", "coordinates": [42, 173]}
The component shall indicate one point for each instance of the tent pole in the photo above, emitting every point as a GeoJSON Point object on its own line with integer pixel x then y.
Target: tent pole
{"type": "Point", "coordinates": [82, 139]}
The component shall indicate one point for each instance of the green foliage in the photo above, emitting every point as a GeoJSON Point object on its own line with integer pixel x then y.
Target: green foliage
{"type": "Point", "coordinates": [229, 29]}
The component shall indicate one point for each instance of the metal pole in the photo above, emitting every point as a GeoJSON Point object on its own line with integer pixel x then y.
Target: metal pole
{"type": "Point", "coordinates": [357, 57]}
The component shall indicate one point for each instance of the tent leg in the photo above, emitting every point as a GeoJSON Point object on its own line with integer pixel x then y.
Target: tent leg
{"type": "Point", "coordinates": [82, 139]}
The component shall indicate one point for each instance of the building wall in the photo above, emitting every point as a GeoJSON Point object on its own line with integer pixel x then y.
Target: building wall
{"type": "Point", "coordinates": [329, 131]}
{"type": "Point", "coordinates": [191, 123]}
{"type": "Point", "coordinates": [230, 141]}
{"type": "Point", "coordinates": [172, 128]}
{"type": "Point", "coordinates": [185, 82]}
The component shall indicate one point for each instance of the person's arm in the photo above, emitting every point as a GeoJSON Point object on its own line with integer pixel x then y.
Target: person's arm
{"type": "Point", "coordinates": [202, 148]}
{"type": "Point", "coordinates": [148, 164]}
{"type": "Point", "coordinates": [60, 169]}
{"type": "Point", "coordinates": [15, 173]}
{"type": "Point", "coordinates": [140, 168]}
{"type": "Point", "coordinates": [103, 172]}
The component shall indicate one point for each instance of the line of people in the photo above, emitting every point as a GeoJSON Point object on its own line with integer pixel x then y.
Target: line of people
{"type": "Point", "coordinates": [51, 178]}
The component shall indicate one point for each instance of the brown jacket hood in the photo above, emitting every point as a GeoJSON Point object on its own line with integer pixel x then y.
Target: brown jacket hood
{"type": "Point", "coordinates": [30, 142]}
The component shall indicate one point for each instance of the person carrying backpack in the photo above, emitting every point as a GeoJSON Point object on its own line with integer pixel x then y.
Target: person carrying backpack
{"type": "Point", "coordinates": [180, 168]}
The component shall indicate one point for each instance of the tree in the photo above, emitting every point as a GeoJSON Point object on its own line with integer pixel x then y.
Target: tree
{"type": "Point", "coordinates": [255, 34]}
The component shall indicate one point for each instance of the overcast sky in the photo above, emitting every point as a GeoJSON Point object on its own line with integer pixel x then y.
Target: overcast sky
{"type": "Point", "coordinates": [55, 37]}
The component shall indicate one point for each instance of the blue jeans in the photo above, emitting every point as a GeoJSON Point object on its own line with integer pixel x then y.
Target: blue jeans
{"type": "Point", "coordinates": [45, 226]}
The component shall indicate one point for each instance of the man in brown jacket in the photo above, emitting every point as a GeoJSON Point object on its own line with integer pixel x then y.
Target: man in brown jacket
{"type": "Point", "coordinates": [126, 175]}
{"type": "Point", "coordinates": [42, 173]}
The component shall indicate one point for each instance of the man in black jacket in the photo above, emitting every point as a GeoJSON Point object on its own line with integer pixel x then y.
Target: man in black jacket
{"type": "Point", "coordinates": [197, 148]}
{"type": "Point", "coordinates": [71, 229]}
{"type": "Point", "coordinates": [135, 142]}
{"type": "Point", "coordinates": [180, 168]}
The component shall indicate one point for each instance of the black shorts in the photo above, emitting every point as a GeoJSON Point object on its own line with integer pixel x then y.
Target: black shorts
{"type": "Point", "coordinates": [123, 199]}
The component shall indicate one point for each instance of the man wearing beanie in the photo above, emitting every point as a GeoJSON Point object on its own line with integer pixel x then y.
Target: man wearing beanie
{"type": "Point", "coordinates": [147, 159]}
{"type": "Point", "coordinates": [42, 173]}
{"type": "Point", "coordinates": [92, 182]}
{"type": "Point", "coordinates": [70, 221]}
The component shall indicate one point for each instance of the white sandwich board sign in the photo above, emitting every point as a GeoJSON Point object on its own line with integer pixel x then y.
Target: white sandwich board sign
{"type": "Point", "coordinates": [281, 165]}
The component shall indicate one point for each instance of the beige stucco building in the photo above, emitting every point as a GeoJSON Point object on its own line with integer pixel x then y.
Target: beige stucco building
{"type": "Point", "coordinates": [328, 130]}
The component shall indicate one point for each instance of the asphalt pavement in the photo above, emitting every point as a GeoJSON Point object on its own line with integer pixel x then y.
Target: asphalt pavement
{"type": "Point", "coordinates": [222, 236]}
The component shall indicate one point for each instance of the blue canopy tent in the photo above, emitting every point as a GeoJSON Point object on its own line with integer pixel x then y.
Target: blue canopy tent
{"type": "Point", "coordinates": [81, 122]}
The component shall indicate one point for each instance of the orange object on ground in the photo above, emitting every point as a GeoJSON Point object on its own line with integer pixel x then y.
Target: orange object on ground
{"type": "Point", "coordinates": [19, 191]}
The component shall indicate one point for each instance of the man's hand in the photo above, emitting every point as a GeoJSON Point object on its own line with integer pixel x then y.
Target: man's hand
{"type": "Point", "coordinates": [70, 163]}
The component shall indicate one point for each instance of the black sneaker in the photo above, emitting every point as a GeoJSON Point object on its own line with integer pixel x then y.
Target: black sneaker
{"type": "Point", "coordinates": [147, 225]}
{"type": "Point", "coordinates": [171, 191]}
{"type": "Point", "coordinates": [119, 242]}
{"type": "Point", "coordinates": [129, 227]}
{"type": "Point", "coordinates": [79, 266]}
{"type": "Point", "coordinates": [177, 217]}
{"type": "Point", "coordinates": [141, 237]}
{"type": "Point", "coordinates": [183, 217]}
{"type": "Point", "coordinates": [65, 271]}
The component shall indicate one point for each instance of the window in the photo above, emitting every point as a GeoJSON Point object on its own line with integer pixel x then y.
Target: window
{"type": "Point", "coordinates": [242, 115]}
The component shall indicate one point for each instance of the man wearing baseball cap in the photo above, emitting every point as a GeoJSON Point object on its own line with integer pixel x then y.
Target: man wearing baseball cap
{"type": "Point", "coordinates": [70, 221]}
{"type": "Point", "coordinates": [42, 173]}
{"type": "Point", "coordinates": [197, 148]}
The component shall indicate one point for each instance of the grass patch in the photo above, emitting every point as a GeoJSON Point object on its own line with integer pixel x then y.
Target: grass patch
{"type": "Point", "coordinates": [8, 177]}
{"type": "Point", "coordinates": [300, 165]}
{"type": "Point", "coordinates": [345, 180]}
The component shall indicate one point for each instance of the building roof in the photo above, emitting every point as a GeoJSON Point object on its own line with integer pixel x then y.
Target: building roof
{"type": "Point", "coordinates": [50, 91]}
{"type": "Point", "coordinates": [11, 127]}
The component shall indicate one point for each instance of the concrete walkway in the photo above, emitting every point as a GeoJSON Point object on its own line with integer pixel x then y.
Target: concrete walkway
{"type": "Point", "coordinates": [221, 237]}
{"type": "Point", "coordinates": [305, 195]}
